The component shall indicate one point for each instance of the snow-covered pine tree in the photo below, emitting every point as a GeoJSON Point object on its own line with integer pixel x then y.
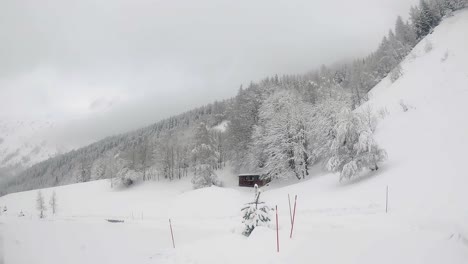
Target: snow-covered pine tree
{"type": "Point", "coordinates": [204, 156]}
{"type": "Point", "coordinates": [353, 147]}
{"type": "Point", "coordinates": [405, 34]}
{"type": "Point", "coordinates": [424, 19]}
{"type": "Point", "coordinates": [53, 202]}
{"type": "Point", "coordinates": [40, 204]}
{"type": "Point", "coordinates": [255, 214]}
{"type": "Point", "coordinates": [453, 5]}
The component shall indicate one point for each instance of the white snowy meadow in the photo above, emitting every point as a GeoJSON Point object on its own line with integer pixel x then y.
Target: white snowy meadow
{"type": "Point", "coordinates": [375, 152]}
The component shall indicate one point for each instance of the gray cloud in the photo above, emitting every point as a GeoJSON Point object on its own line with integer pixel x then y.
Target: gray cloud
{"type": "Point", "coordinates": [112, 66]}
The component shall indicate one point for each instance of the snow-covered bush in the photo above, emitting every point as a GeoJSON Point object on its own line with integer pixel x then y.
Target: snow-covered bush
{"type": "Point", "coordinates": [404, 106]}
{"type": "Point", "coordinates": [444, 58]}
{"type": "Point", "coordinates": [383, 113]}
{"type": "Point", "coordinates": [204, 176]}
{"type": "Point", "coordinates": [125, 177]}
{"type": "Point", "coordinates": [428, 46]}
{"type": "Point", "coordinates": [353, 146]}
{"type": "Point", "coordinates": [255, 214]}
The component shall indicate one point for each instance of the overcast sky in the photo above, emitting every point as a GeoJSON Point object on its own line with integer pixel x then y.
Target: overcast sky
{"type": "Point", "coordinates": [109, 66]}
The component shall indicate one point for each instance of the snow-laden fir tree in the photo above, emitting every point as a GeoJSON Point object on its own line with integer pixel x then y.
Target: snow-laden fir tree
{"type": "Point", "coordinates": [53, 202]}
{"type": "Point", "coordinates": [40, 204]}
{"type": "Point", "coordinates": [353, 147]}
{"type": "Point", "coordinates": [204, 158]}
{"type": "Point", "coordinates": [405, 34]}
{"type": "Point", "coordinates": [255, 214]}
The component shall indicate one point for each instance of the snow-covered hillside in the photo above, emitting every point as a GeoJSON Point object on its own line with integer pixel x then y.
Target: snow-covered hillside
{"type": "Point", "coordinates": [424, 130]}
{"type": "Point", "coordinates": [427, 143]}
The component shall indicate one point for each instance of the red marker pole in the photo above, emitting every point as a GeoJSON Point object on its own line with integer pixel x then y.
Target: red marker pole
{"type": "Point", "coordinates": [172, 234]}
{"type": "Point", "coordinates": [294, 217]}
{"type": "Point", "coordinates": [277, 234]}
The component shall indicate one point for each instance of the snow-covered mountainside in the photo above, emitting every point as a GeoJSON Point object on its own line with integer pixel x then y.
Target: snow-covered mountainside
{"type": "Point", "coordinates": [426, 129]}
{"type": "Point", "coordinates": [423, 128]}
{"type": "Point", "coordinates": [23, 143]}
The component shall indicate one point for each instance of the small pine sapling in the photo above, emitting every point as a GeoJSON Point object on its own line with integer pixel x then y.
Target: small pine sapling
{"type": "Point", "coordinates": [40, 204]}
{"type": "Point", "coordinates": [255, 214]}
{"type": "Point", "coordinates": [53, 203]}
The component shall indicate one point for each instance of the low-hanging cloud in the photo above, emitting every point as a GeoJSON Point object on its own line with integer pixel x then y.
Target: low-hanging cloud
{"type": "Point", "coordinates": [112, 66]}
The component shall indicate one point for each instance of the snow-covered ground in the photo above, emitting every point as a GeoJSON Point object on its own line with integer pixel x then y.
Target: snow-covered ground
{"type": "Point", "coordinates": [427, 221]}
{"type": "Point", "coordinates": [1, 245]}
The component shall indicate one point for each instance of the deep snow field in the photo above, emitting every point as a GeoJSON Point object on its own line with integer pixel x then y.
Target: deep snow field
{"type": "Point", "coordinates": [426, 174]}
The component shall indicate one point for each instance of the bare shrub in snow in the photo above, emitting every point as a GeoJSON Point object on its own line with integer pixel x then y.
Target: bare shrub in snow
{"type": "Point", "coordinates": [255, 214]}
{"type": "Point", "coordinates": [53, 202]}
{"type": "Point", "coordinates": [444, 58]}
{"type": "Point", "coordinates": [353, 147]}
{"type": "Point", "coordinates": [40, 204]}
{"type": "Point", "coordinates": [396, 73]}
{"type": "Point", "coordinates": [369, 117]}
{"type": "Point", "coordinates": [428, 46]}
{"type": "Point", "coordinates": [383, 113]}
{"type": "Point", "coordinates": [404, 106]}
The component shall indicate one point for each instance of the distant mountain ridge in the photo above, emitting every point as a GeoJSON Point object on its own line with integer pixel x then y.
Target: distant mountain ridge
{"type": "Point", "coordinates": [22, 144]}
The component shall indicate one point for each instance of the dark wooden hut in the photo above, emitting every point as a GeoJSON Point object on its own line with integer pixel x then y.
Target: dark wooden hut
{"type": "Point", "coordinates": [250, 179]}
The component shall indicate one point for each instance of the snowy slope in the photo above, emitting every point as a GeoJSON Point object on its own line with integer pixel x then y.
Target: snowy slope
{"type": "Point", "coordinates": [427, 145]}
{"type": "Point", "coordinates": [336, 222]}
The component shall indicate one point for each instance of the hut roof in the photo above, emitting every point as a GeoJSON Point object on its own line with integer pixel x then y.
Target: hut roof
{"type": "Point", "coordinates": [248, 174]}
